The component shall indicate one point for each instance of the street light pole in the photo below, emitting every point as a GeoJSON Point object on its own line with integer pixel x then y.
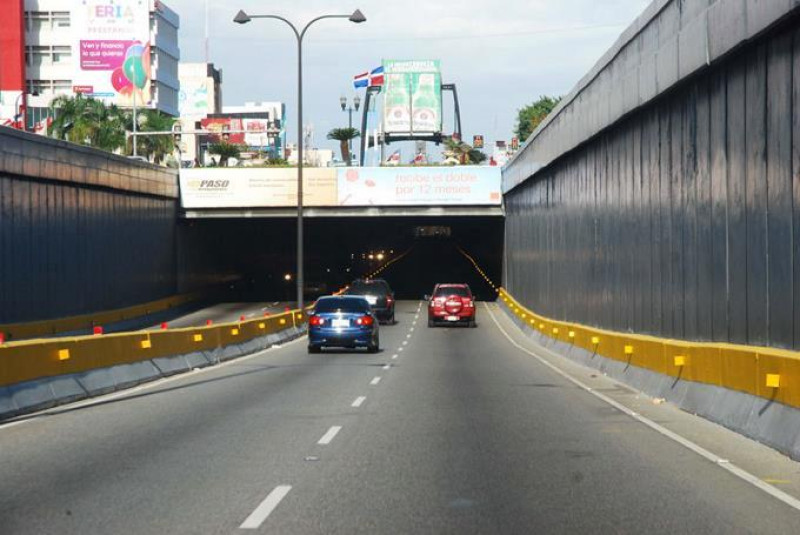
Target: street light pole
{"type": "Point", "coordinates": [244, 18]}
{"type": "Point", "coordinates": [349, 110]}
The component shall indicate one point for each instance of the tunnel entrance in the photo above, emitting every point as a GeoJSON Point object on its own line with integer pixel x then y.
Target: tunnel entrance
{"type": "Point", "coordinates": [258, 256]}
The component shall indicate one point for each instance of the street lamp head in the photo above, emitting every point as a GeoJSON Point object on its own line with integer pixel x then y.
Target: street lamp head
{"type": "Point", "coordinates": [343, 102]}
{"type": "Point", "coordinates": [242, 17]}
{"type": "Point", "coordinates": [357, 101]}
{"type": "Point", "coordinates": [357, 17]}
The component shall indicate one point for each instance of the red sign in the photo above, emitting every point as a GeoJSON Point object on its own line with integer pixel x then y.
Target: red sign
{"type": "Point", "coordinates": [83, 89]}
{"type": "Point", "coordinates": [220, 126]}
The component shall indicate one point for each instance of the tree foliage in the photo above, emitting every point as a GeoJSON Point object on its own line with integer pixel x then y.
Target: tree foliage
{"type": "Point", "coordinates": [225, 151]}
{"type": "Point", "coordinates": [88, 121]}
{"type": "Point", "coordinates": [155, 148]}
{"type": "Point", "coordinates": [343, 136]}
{"type": "Point", "coordinates": [463, 152]}
{"type": "Point", "coordinates": [531, 116]}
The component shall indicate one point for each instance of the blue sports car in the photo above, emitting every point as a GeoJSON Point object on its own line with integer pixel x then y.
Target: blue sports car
{"type": "Point", "coordinates": [343, 321]}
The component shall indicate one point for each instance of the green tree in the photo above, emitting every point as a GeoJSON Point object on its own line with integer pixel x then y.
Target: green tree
{"type": "Point", "coordinates": [531, 116]}
{"type": "Point", "coordinates": [225, 151]}
{"type": "Point", "coordinates": [88, 121]}
{"type": "Point", "coordinates": [463, 152]}
{"type": "Point", "coordinates": [155, 148]}
{"type": "Point", "coordinates": [343, 136]}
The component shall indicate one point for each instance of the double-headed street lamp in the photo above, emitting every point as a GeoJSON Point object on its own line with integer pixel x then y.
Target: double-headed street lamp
{"type": "Point", "coordinates": [349, 110]}
{"type": "Point", "coordinates": [243, 18]}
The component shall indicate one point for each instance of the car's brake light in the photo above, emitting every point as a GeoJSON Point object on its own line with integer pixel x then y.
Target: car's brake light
{"type": "Point", "coordinates": [316, 321]}
{"type": "Point", "coordinates": [389, 299]}
{"type": "Point", "coordinates": [467, 303]}
{"type": "Point", "coordinates": [365, 320]}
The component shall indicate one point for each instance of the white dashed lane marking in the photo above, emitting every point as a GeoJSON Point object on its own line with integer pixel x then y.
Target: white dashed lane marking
{"type": "Point", "coordinates": [359, 400]}
{"type": "Point", "coordinates": [375, 381]}
{"type": "Point", "coordinates": [328, 437]}
{"type": "Point", "coordinates": [266, 507]}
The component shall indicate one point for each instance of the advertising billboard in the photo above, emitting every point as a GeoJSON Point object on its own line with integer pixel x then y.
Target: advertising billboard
{"type": "Point", "coordinates": [419, 186]}
{"type": "Point", "coordinates": [193, 97]}
{"type": "Point", "coordinates": [412, 97]}
{"type": "Point", "coordinates": [111, 44]}
{"type": "Point", "coordinates": [255, 187]}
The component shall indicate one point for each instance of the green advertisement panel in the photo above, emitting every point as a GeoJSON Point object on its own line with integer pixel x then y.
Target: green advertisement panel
{"type": "Point", "coordinates": [412, 100]}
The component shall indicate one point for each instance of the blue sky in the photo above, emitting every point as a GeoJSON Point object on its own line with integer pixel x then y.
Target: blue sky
{"type": "Point", "coordinates": [501, 58]}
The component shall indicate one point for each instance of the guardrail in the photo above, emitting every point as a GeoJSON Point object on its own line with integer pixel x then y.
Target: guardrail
{"type": "Point", "coordinates": [29, 360]}
{"type": "Point", "coordinates": [769, 373]}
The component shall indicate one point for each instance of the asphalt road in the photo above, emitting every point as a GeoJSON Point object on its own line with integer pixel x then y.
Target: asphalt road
{"type": "Point", "coordinates": [444, 431]}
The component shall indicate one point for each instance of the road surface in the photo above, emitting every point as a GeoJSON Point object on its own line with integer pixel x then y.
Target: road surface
{"type": "Point", "coordinates": [443, 431]}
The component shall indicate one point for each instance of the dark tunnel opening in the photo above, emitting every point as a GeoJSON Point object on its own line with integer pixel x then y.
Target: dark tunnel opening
{"type": "Point", "coordinates": [254, 256]}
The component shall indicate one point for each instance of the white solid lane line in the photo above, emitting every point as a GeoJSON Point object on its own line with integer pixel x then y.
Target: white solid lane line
{"type": "Point", "coordinates": [359, 400]}
{"type": "Point", "coordinates": [328, 437]}
{"type": "Point", "coordinates": [375, 381]}
{"type": "Point", "coordinates": [685, 442]}
{"type": "Point", "coordinates": [266, 507]}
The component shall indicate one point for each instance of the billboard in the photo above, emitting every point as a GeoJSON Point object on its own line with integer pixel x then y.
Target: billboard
{"type": "Point", "coordinates": [254, 187]}
{"type": "Point", "coordinates": [111, 44]}
{"type": "Point", "coordinates": [419, 186]}
{"type": "Point", "coordinates": [193, 97]}
{"type": "Point", "coordinates": [412, 100]}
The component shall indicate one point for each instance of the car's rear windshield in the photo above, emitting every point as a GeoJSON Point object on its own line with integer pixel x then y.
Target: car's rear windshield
{"type": "Point", "coordinates": [372, 287]}
{"type": "Point", "coordinates": [443, 291]}
{"type": "Point", "coordinates": [342, 304]}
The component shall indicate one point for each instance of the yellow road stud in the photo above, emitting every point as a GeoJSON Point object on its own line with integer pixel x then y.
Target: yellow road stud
{"type": "Point", "coordinates": [773, 380]}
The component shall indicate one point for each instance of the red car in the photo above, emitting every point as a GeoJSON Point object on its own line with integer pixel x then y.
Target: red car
{"type": "Point", "coordinates": [451, 304]}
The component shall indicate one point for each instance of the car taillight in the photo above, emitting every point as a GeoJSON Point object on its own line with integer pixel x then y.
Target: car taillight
{"type": "Point", "coordinates": [389, 300]}
{"type": "Point", "coordinates": [316, 321]}
{"type": "Point", "coordinates": [467, 303]}
{"type": "Point", "coordinates": [365, 320]}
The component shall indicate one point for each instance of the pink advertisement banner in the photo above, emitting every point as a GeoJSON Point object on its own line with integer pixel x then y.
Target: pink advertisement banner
{"type": "Point", "coordinates": [102, 55]}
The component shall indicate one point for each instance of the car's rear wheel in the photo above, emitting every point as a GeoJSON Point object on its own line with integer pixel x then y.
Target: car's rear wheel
{"type": "Point", "coordinates": [375, 346]}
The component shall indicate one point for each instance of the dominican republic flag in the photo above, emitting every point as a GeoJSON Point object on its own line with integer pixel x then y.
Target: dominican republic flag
{"type": "Point", "coordinates": [367, 79]}
{"type": "Point", "coordinates": [361, 80]}
{"type": "Point", "coordinates": [376, 76]}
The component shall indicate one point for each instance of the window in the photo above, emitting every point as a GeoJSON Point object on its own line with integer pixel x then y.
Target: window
{"type": "Point", "coordinates": [61, 19]}
{"type": "Point", "coordinates": [62, 54]}
{"type": "Point", "coordinates": [61, 86]}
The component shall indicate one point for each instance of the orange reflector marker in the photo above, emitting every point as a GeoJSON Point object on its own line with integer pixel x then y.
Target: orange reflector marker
{"type": "Point", "coordinates": [145, 344]}
{"type": "Point", "coordinates": [773, 380]}
{"type": "Point", "coordinates": [234, 332]}
{"type": "Point", "coordinates": [97, 330]}
{"type": "Point", "coordinates": [198, 337]}
{"type": "Point", "coordinates": [555, 330]}
{"type": "Point", "coordinates": [629, 350]}
{"type": "Point", "coordinates": [680, 361]}
{"type": "Point", "coordinates": [262, 325]}
{"type": "Point", "coordinates": [283, 321]}
{"type": "Point", "coordinates": [63, 354]}
{"type": "Point", "coordinates": [209, 322]}
{"type": "Point", "coordinates": [572, 334]}
{"type": "Point", "coordinates": [596, 340]}
{"type": "Point", "coordinates": [299, 316]}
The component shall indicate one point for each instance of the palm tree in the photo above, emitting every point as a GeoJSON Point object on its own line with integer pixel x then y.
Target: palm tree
{"type": "Point", "coordinates": [343, 136]}
{"type": "Point", "coordinates": [155, 148]}
{"type": "Point", "coordinates": [225, 151]}
{"type": "Point", "coordinates": [88, 121]}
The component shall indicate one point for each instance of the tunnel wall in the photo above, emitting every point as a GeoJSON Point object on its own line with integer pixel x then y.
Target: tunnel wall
{"type": "Point", "coordinates": [81, 230]}
{"type": "Point", "coordinates": [681, 218]}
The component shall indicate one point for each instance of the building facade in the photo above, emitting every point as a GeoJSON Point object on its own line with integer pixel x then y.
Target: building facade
{"type": "Point", "coordinates": [200, 96]}
{"type": "Point", "coordinates": [123, 52]}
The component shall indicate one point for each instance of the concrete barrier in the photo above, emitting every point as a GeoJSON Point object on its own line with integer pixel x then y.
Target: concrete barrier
{"type": "Point", "coordinates": [38, 374]}
{"type": "Point", "coordinates": [720, 382]}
